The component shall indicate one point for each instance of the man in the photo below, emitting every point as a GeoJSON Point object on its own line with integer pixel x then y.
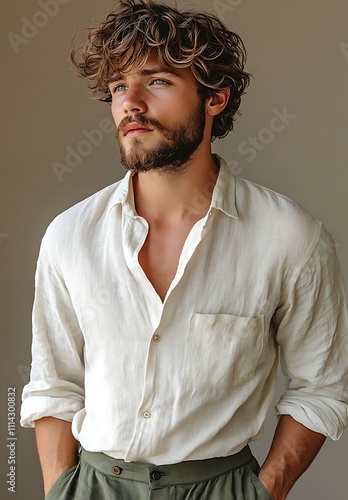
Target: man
{"type": "Point", "coordinates": [162, 300]}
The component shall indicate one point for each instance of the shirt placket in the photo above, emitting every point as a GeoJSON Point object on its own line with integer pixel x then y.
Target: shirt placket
{"type": "Point", "coordinates": [147, 421]}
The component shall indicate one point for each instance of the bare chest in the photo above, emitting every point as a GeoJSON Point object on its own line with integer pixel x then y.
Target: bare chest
{"type": "Point", "coordinates": [160, 254]}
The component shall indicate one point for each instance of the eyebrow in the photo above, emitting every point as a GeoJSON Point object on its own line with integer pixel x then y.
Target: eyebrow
{"type": "Point", "coordinates": [148, 72]}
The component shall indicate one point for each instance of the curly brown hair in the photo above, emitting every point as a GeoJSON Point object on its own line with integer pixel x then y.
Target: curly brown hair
{"type": "Point", "coordinates": [136, 29]}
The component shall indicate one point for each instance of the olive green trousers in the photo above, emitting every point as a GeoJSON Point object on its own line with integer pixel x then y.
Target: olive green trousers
{"type": "Point", "coordinates": [100, 477]}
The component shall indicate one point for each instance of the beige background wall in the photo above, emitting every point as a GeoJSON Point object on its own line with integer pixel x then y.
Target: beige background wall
{"type": "Point", "coordinates": [298, 53]}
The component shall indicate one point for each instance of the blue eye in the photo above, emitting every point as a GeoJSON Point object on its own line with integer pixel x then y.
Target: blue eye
{"type": "Point", "coordinates": [160, 80]}
{"type": "Point", "coordinates": [119, 88]}
{"type": "Point", "coordinates": [122, 88]}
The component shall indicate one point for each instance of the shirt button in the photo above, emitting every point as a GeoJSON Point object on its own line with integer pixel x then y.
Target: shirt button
{"type": "Point", "coordinates": [156, 338]}
{"type": "Point", "coordinates": [117, 470]}
{"type": "Point", "coordinates": [147, 414]}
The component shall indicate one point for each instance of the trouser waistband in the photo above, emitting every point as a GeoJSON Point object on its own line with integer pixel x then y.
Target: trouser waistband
{"type": "Point", "coordinates": [164, 475]}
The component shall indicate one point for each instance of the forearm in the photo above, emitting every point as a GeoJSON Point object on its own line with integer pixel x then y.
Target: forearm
{"type": "Point", "coordinates": [293, 449]}
{"type": "Point", "coordinates": [57, 448]}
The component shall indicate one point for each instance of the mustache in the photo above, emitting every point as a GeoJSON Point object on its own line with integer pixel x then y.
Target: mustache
{"type": "Point", "coordinates": [145, 122]}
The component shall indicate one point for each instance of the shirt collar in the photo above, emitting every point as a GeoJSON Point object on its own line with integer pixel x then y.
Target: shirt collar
{"type": "Point", "coordinates": [124, 194]}
{"type": "Point", "coordinates": [224, 193]}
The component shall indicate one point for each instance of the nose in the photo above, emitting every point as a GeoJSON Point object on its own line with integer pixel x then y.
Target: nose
{"type": "Point", "coordinates": [134, 100]}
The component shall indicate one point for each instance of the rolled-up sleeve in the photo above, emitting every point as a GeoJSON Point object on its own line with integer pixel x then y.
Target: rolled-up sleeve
{"type": "Point", "coordinates": [56, 386]}
{"type": "Point", "coordinates": [312, 332]}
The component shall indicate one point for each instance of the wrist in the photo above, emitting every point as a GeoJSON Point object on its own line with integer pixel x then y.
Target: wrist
{"type": "Point", "coordinates": [271, 481]}
{"type": "Point", "coordinates": [54, 474]}
{"type": "Point", "coordinates": [275, 475]}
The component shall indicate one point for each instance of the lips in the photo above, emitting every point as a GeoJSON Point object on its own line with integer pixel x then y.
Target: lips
{"type": "Point", "coordinates": [135, 127]}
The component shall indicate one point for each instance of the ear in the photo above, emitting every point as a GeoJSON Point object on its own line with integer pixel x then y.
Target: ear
{"type": "Point", "coordinates": [216, 104]}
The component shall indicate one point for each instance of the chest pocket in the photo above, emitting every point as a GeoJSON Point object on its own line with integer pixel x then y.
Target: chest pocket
{"type": "Point", "coordinates": [222, 350]}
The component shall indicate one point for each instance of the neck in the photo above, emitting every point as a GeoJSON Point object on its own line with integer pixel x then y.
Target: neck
{"type": "Point", "coordinates": [163, 198]}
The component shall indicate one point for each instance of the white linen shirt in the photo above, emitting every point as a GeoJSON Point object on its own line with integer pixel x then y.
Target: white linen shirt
{"type": "Point", "coordinates": [191, 377]}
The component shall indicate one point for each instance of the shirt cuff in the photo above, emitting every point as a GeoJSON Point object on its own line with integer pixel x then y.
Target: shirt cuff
{"type": "Point", "coordinates": [319, 413]}
{"type": "Point", "coordinates": [37, 407]}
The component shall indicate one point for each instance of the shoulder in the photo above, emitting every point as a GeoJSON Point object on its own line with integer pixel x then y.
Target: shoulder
{"type": "Point", "coordinates": [290, 226]}
{"type": "Point", "coordinates": [84, 216]}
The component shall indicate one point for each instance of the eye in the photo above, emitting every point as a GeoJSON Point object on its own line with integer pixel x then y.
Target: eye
{"type": "Point", "coordinates": [119, 88]}
{"type": "Point", "coordinates": [159, 81]}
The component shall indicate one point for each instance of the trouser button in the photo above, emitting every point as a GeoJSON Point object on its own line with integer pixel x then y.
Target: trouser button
{"type": "Point", "coordinates": [155, 475]}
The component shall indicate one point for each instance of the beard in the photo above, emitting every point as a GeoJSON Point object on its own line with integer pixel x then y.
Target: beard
{"type": "Point", "coordinates": [173, 152]}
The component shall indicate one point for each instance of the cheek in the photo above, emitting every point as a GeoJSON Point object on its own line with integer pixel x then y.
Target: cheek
{"type": "Point", "coordinates": [117, 120]}
{"type": "Point", "coordinates": [116, 115]}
